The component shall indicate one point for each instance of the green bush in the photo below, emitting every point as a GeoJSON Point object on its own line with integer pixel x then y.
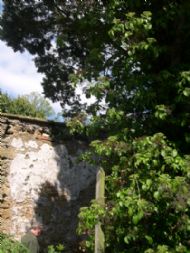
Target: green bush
{"type": "Point", "coordinates": [9, 245]}
{"type": "Point", "coordinates": [147, 197]}
{"type": "Point", "coordinates": [56, 249]}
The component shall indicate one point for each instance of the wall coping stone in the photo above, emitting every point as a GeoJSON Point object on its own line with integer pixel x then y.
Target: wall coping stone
{"type": "Point", "coordinates": [47, 123]}
{"type": "Point", "coordinates": [31, 119]}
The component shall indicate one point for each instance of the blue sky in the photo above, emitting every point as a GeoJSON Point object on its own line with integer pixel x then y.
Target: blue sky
{"type": "Point", "coordinates": [18, 74]}
{"type": "Point", "coordinates": [0, 5]}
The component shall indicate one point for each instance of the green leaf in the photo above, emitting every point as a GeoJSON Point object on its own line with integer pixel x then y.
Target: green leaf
{"type": "Point", "coordinates": [149, 239]}
{"type": "Point", "coordinates": [174, 152]}
{"type": "Point", "coordinates": [156, 195]}
{"type": "Point", "coordinates": [186, 92]}
{"type": "Point", "coordinates": [136, 218]}
{"type": "Point", "coordinates": [147, 13]}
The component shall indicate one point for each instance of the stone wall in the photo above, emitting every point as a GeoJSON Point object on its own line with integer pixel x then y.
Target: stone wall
{"type": "Point", "coordinates": [42, 176]}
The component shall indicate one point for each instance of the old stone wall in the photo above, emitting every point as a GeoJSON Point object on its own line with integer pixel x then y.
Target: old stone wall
{"type": "Point", "coordinates": [42, 176]}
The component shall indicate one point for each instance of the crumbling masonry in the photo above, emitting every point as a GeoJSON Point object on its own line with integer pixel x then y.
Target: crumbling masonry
{"type": "Point", "coordinates": [42, 176]}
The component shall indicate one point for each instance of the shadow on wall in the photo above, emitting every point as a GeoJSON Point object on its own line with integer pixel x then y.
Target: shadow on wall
{"type": "Point", "coordinates": [59, 203]}
{"type": "Point", "coordinates": [59, 217]}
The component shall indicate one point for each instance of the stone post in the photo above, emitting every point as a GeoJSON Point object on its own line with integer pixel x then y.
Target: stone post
{"type": "Point", "coordinates": [100, 191]}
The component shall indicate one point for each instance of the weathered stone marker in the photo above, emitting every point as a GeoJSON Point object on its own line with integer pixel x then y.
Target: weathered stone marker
{"type": "Point", "coordinates": [100, 191]}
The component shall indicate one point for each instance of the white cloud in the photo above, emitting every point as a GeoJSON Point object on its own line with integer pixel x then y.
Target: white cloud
{"type": "Point", "coordinates": [18, 74]}
{"type": "Point", "coordinates": [1, 5]}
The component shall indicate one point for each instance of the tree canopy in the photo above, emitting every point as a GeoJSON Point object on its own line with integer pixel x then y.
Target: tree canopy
{"type": "Point", "coordinates": [134, 57]}
{"type": "Point", "coordinates": [134, 53]}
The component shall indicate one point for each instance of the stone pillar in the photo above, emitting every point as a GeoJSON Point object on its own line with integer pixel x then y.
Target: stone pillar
{"type": "Point", "coordinates": [100, 192]}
